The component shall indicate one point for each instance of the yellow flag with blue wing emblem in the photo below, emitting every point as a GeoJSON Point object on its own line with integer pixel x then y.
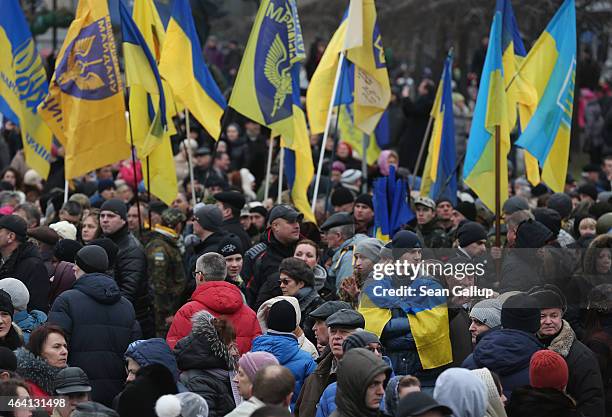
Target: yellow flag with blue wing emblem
{"type": "Point", "coordinates": [272, 97]}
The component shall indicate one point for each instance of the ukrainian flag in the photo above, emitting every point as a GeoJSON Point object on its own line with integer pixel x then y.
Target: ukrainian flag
{"type": "Point", "coordinates": [148, 111]}
{"type": "Point", "coordinates": [391, 209]}
{"type": "Point", "coordinates": [491, 111]}
{"type": "Point", "coordinates": [267, 90]}
{"type": "Point", "coordinates": [23, 85]}
{"type": "Point", "coordinates": [183, 66]}
{"type": "Point", "coordinates": [439, 177]}
{"type": "Point", "coordinates": [428, 316]}
{"type": "Point", "coordinates": [85, 107]}
{"type": "Point", "coordinates": [550, 68]}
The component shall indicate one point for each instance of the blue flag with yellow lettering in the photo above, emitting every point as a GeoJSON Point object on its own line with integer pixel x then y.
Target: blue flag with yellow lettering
{"type": "Point", "coordinates": [23, 85]}
{"type": "Point", "coordinates": [267, 90]}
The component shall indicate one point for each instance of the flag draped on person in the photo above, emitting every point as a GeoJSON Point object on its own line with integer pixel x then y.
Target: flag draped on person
{"type": "Point", "coordinates": [23, 86]}
{"type": "Point", "coordinates": [491, 111]}
{"type": "Point", "coordinates": [182, 65]}
{"type": "Point", "coordinates": [364, 79]}
{"type": "Point", "coordinates": [550, 67]}
{"type": "Point", "coordinates": [85, 106]}
{"type": "Point", "coordinates": [148, 113]}
{"type": "Point", "coordinates": [391, 209]}
{"type": "Point", "coordinates": [267, 90]}
{"type": "Point", "coordinates": [439, 176]}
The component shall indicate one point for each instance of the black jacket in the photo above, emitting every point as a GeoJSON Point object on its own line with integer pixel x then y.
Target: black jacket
{"type": "Point", "coordinates": [205, 362]}
{"type": "Point", "coordinates": [233, 226]}
{"type": "Point", "coordinates": [99, 324]}
{"type": "Point", "coordinates": [132, 278]}
{"type": "Point", "coordinates": [260, 269]}
{"type": "Point", "coordinates": [26, 264]}
{"type": "Point", "coordinates": [541, 402]}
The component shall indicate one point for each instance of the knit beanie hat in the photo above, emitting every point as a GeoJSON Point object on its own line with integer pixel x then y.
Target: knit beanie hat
{"type": "Point", "coordinates": [365, 199]}
{"type": "Point", "coordinates": [65, 230]}
{"type": "Point", "coordinates": [66, 250]}
{"type": "Point", "coordinates": [467, 209]}
{"type": "Point", "coordinates": [350, 177]}
{"type": "Point", "coordinates": [209, 217]}
{"type": "Point", "coordinates": [531, 234]}
{"type": "Point", "coordinates": [471, 232]}
{"type": "Point", "coordinates": [521, 312]}
{"type": "Point", "coordinates": [549, 218]}
{"type": "Point", "coordinates": [6, 304]}
{"type": "Point", "coordinates": [487, 311]}
{"type": "Point", "coordinates": [341, 196]}
{"type": "Point", "coordinates": [588, 189]}
{"type": "Point", "coordinates": [359, 339]}
{"type": "Point", "coordinates": [548, 369]}
{"type": "Point", "coordinates": [251, 362]}
{"type": "Point", "coordinates": [116, 206]}
{"type": "Point", "coordinates": [370, 248]}
{"type": "Point", "coordinates": [184, 404]}
{"type": "Point", "coordinates": [20, 296]}
{"type": "Point", "coordinates": [561, 203]}
{"type": "Point", "coordinates": [92, 259]}
{"type": "Point", "coordinates": [231, 246]}
{"type": "Point", "coordinates": [109, 247]}
{"type": "Point", "coordinates": [281, 317]}
{"type": "Point", "coordinates": [514, 204]}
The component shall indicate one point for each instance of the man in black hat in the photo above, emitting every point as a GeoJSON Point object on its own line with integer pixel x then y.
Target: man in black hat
{"type": "Point", "coordinates": [339, 231]}
{"type": "Point", "coordinates": [231, 203]}
{"type": "Point", "coordinates": [340, 325]}
{"type": "Point", "coordinates": [99, 322]}
{"type": "Point", "coordinates": [261, 262]}
{"type": "Point", "coordinates": [22, 260]}
{"type": "Point", "coordinates": [72, 385]}
{"type": "Point", "coordinates": [363, 214]}
{"type": "Point", "coordinates": [201, 164]}
{"type": "Point", "coordinates": [131, 263]}
{"type": "Point", "coordinates": [319, 327]}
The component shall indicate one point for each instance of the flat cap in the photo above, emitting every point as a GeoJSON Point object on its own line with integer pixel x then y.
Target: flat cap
{"type": "Point", "coordinates": [15, 224]}
{"type": "Point", "coordinates": [328, 308]}
{"type": "Point", "coordinates": [346, 319]}
{"type": "Point", "coordinates": [283, 211]}
{"type": "Point", "coordinates": [231, 198]}
{"type": "Point", "coordinates": [337, 219]}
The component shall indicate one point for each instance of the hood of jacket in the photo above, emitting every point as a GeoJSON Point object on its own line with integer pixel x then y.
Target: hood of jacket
{"type": "Point", "coordinates": [506, 351]}
{"type": "Point", "coordinates": [461, 391]}
{"type": "Point", "coordinates": [150, 351]}
{"type": "Point", "coordinates": [202, 348]}
{"type": "Point", "coordinates": [305, 297]}
{"type": "Point", "coordinates": [284, 346]}
{"type": "Point", "coordinates": [392, 396]}
{"type": "Point", "coordinates": [219, 296]}
{"type": "Point", "coordinates": [264, 310]}
{"type": "Point", "coordinates": [100, 287]}
{"type": "Point", "coordinates": [29, 321]}
{"type": "Point", "coordinates": [36, 369]}
{"type": "Point", "coordinates": [353, 382]}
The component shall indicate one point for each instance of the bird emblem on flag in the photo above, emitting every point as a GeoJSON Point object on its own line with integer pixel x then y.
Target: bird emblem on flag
{"type": "Point", "coordinates": [279, 78]}
{"type": "Point", "coordinates": [78, 66]}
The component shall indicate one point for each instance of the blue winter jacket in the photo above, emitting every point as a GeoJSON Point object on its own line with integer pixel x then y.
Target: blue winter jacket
{"type": "Point", "coordinates": [506, 352]}
{"type": "Point", "coordinates": [284, 346]}
{"type": "Point", "coordinates": [28, 322]}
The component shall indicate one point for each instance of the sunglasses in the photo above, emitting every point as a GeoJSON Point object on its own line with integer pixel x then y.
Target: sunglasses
{"type": "Point", "coordinates": [285, 281]}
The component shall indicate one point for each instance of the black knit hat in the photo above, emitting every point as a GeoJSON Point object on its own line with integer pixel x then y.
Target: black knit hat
{"type": "Point", "coordinates": [341, 196]}
{"type": "Point", "coordinates": [116, 206]}
{"type": "Point", "coordinates": [365, 199]}
{"type": "Point", "coordinates": [231, 246]}
{"type": "Point", "coordinates": [92, 258]}
{"type": "Point", "coordinates": [6, 304]}
{"type": "Point", "coordinates": [532, 234]}
{"type": "Point", "coordinates": [281, 317]}
{"type": "Point", "coordinates": [359, 339]}
{"type": "Point", "coordinates": [521, 312]}
{"type": "Point", "coordinates": [467, 209]}
{"type": "Point", "coordinates": [66, 250]}
{"type": "Point", "coordinates": [109, 247]}
{"type": "Point", "coordinates": [549, 218]}
{"type": "Point", "coordinates": [471, 232]}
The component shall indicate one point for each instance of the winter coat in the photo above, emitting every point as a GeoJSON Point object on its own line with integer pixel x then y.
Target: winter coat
{"type": "Point", "coordinates": [205, 363]}
{"type": "Point", "coordinates": [284, 346]}
{"type": "Point", "coordinates": [309, 301]}
{"type": "Point", "coordinates": [518, 273]}
{"type": "Point", "coordinates": [219, 298]}
{"type": "Point", "coordinates": [28, 322]}
{"type": "Point", "coordinates": [238, 153]}
{"type": "Point", "coordinates": [433, 235]}
{"type": "Point", "coordinates": [600, 344]}
{"type": "Point", "coordinates": [541, 402]}
{"type": "Point", "coordinates": [417, 114]}
{"type": "Point", "coordinates": [63, 279]}
{"type": "Point", "coordinates": [585, 384]}
{"type": "Point", "coordinates": [132, 278]}
{"type": "Point", "coordinates": [38, 374]}
{"type": "Point", "coordinates": [260, 269]}
{"type": "Point", "coordinates": [399, 344]}
{"type": "Point", "coordinates": [246, 408]}
{"type": "Point", "coordinates": [99, 324]}
{"type": "Point", "coordinates": [314, 386]}
{"type": "Point", "coordinates": [211, 244]}
{"type": "Point", "coordinates": [26, 264]}
{"type": "Point", "coordinates": [506, 352]}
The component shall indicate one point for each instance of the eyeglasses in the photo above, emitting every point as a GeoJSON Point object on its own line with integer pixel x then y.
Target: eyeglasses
{"type": "Point", "coordinates": [194, 274]}
{"type": "Point", "coordinates": [284, 281]}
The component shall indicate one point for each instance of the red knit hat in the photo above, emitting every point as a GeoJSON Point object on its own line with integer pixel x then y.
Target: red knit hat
{"type": "Point", "coordinates": [548, 369]}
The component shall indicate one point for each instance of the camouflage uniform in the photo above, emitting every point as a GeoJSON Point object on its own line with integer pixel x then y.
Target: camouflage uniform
{"type": "Point", "coordinates": [433, 236]}
{"type": "Point", "coordinates": [165, 266]}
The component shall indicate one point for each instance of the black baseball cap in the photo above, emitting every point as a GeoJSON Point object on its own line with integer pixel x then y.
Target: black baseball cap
{"type": "Point", "coordinates": [15, 224]}
{"type": "Point", "coordinates": [283, 211]}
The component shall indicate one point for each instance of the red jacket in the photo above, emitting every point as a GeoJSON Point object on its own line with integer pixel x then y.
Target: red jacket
{"type": "Point", "coordinates": [219, 298]}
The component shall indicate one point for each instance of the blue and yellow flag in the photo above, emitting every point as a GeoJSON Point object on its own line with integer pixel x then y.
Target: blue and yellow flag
{"type": "Point", "coordinates": [148, 111]}
{"type": "Point", "coordinates": [182, 66]}
{"type": "Point", "coordinates": [23, 86]}
{"type": "Point", "coordinates": [427, 314]}
{"type": "Point", "coordinates": [85, 107]}
{"type": "Point", "coordinates": [439, 176]}
{"type": "Point", "coordinates": [364, 77]}
{"type": "Point", "coordinates": [267, 90]}
{"type": "Point", "coordinates": [491, 110]}
{"type": "Point", "coordinates": [391, 209]}
{"type": "Point", "coordinates": [550, 68]}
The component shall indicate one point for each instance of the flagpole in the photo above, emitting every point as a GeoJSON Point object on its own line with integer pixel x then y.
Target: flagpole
{"type": "Point", "coordinates": [497, 186]}
{"type": "Point", "coordinates": [268, 169]}
{"type": "Point", "coordinates": [190, 165]}
{"type": "Point", "coordinates": [365, 143]}
{"type": "Point", "coordinates": [326, 132]}
{"type": "Point", "coordinates": [129, 117]}
{"type": "Point", "coordinates": [149, 190]}
{"type": "Point", "coordinates": [65, 190]}
{"type": "Point", "coordinates": [424, 143]}
{"type": "Point", "coordinates": [280, 175]}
